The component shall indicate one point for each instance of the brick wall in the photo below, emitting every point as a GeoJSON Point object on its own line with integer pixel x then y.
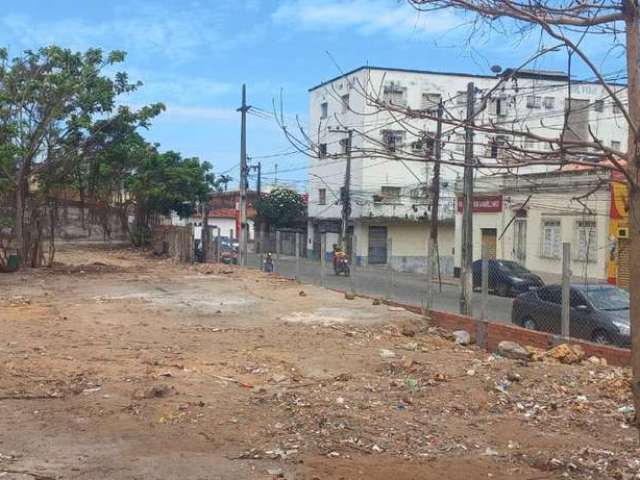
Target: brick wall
{"type": "Point", "coordinates": [489, 334]}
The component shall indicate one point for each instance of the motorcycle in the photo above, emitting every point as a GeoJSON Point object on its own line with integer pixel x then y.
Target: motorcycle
{"type": "Point", "coordinates": [341, 263]}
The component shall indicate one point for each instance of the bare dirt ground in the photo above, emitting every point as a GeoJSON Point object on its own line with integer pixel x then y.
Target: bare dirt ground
{"type": "Point", "coordinates": [117, 365]}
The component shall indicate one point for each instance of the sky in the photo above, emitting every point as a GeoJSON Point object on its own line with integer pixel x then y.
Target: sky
{"type": "Point", "coordinates": [195, 55]}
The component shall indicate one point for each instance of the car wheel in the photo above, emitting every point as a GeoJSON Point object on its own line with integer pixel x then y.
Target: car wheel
{"type": "Point", "coordinates": [503, 290]}
{"type": "Point", "coordinates": [601, 337]}
{"type": "Point", "coordinates": [529, 323]}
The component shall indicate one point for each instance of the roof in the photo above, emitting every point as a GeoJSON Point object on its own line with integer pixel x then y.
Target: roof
{"type": "Point", "coordinates": [522, 73]}
{"type": "Point", "coordinates": [403, 70]}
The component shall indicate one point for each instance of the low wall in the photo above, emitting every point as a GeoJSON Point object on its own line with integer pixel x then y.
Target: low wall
{"type": "Point", "coordinates": [489, 334]}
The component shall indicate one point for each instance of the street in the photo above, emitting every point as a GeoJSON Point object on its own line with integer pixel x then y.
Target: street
{"type": "Point", "coordinates": [406, 288]}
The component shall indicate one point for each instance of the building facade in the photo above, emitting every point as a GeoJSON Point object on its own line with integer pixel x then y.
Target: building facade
{"type": "Point", "coordinates": [528, 218]}
{"type": "Point", "coordinates": [392, 154]}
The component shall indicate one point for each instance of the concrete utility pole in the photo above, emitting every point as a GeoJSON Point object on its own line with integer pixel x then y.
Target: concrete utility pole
{"type": "Point", "coordinates": [466, 275]}
{"type": "Point", "coordinates": [432, 242]}
{"type": "Point", "coordinates": [345, 194]}
{"type": "Point", "coordinates": [242, 233]}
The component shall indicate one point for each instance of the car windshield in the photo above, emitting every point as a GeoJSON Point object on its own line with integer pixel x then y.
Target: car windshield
{"type": "Point", "coordinates": [512, 267]}
{"type": "Point", "coordinates": [607, 297]}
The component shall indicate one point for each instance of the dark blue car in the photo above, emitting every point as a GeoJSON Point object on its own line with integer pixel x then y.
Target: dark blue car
{"type": "Point", "coordinates": [599, 312]}
{"type": "Point", "coordinates": [506, 278]}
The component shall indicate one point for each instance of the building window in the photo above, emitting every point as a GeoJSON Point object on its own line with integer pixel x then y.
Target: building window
{"type": "Point", "coordinates": [394, 94]}
{"type": "Point", "coordinates": [551, 241]}
{"type": "Point", "coordinates": [393, 139]}
{"type": "Point", "coordinates": [324, 110]}
{"type": "Point", "coordinates": [322, 196]}
{"type": "Point", "coordinates": [616, 145]}
{"type": "Point", "coordinates": [390, 194]}
{"type": "Point", "coordinates": [498, 106]}
{"type": "Point", "coordinates": [586, 238]}
{"type": "Point", "coordinates": [533, 101]}
{"type": "Point", "coordinates": [496, 147]}
{"type": "Point", "coordinates": [344, 146]}
{"type": "Point", "coordinates": [430, 101]}
{"type": "Point", "coordinates": [549, 102]}
{"type": "Point", "coordinates": [345, 103]}
{"type": "Point", "coordinates": [458, 142]}
{"type": "Point", "coordinates": [598, 105]}
{"type": "Point", "coordinates": [322, 150]}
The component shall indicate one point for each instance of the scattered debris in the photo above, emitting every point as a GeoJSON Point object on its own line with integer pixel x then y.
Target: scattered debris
{"type": "Point", "coordinates": [385, 353]}
{"type": "Point", "coordinates": [462, 337]}
{"type": "Point", "coordinates": [568, 354]}
{"type": "Point", "coordinates": [155, 391]}
{"type": "Point", "coordinates": [512, 350]}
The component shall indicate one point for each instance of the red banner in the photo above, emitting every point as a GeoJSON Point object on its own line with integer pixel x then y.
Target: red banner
{"type": "Point", "coordinates": [483, 204]}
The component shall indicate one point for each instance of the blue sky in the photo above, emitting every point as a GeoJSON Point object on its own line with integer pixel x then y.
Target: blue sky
{"type": "Point", "coordinates": [194, 56]}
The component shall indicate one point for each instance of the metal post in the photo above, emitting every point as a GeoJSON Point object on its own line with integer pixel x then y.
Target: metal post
{"type": "Point", "coordinates": [323, 249]}
{"type": "Point", "coordinates": [466, 278]}
{"type": "Point", "coordinates": [277, 266]}
{"type": "Point", "coordinates": [485, 284]}
{"type": "Point", "coordinates": [352, 264]}
{"type": "Point", "coordinates": [566, 289]}
{"type": "Point", "coordinates": [428, 303]}
{"type": "Point", "coordinates": [389, 289]}
{"type": "Point", "coordinates": [298, 255]}
{"type": "Point", "coordinates": [218, 247]}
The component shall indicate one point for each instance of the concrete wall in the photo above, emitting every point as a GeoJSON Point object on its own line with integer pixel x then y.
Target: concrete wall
{"type": "Point", "coordinates": [71, 226]}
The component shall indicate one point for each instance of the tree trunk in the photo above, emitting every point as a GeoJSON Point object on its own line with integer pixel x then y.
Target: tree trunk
{"type": "Point", "coordinates": [22, 193]}
{"type": "Point", "coordinates": [633, 158]}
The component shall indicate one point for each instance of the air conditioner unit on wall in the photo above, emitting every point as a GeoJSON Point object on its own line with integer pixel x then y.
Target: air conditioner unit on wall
{"type": "Point", "coordinates": [623, 232]}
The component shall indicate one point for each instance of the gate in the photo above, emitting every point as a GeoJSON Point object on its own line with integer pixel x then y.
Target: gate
{"type": "Point", "coordinates": [377, 245]}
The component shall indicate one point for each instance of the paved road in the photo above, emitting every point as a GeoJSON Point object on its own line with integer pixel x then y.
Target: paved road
{"type": "Point", "coordinates": [405, 288]}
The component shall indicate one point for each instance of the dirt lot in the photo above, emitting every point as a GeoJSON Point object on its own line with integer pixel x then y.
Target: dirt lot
{"type": "Point", "coordinates": [116, 365]}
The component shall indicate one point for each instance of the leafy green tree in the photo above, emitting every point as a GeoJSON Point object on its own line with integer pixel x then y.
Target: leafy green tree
{"type": "Point", "coordinates": [165, 182]}
{"type": "Point", "coordinates": [281, 208]}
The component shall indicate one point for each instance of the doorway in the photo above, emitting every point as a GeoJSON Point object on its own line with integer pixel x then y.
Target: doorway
{"type": "Point", "coordinates": [489, 241]}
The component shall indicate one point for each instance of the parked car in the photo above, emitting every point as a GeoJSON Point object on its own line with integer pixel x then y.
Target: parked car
{"type": "Point", "coordinates": [506, 278]}
{"type": "Point", "coordinates": [599, 313]}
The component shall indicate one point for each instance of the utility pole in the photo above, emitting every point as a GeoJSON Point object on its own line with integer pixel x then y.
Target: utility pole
{"type": "Point", "coordinates": [432, 242]}
{"type": "Point", "coordinates": [258, 225]}
{"type": "Point", "coordinates": [345, 193]}
{"type": "Point", "coordinates": [242, 233]}
{"type": "Point", "coordinates": [466, 275]}
{"type": "Point", "coordinates": [275, 177]}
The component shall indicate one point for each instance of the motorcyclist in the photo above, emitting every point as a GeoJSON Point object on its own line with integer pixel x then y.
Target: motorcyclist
{"type": "Point", "coordinates": [268, 263]}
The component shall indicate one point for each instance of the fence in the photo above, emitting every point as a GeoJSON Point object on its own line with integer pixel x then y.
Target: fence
{"type": "Point", "coordinates": [500, 292]}
{"type": "Point", "coordinates": [176, 242]}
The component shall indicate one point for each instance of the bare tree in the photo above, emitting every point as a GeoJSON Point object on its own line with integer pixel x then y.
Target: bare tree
{"type": "Point", "coordinates": [568, 23]}
{"type": "Point", "coordinates": [565, 25]}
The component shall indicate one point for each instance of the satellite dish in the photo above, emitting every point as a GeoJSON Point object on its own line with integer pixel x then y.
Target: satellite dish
{"type": "Point", "coordinates": [496, 69]}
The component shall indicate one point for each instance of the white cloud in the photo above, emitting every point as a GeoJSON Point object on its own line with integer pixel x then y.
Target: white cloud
{"type": "Point", "coordinates": [145, 28]}
{"type": "Point", "coordinates": [367, 17]}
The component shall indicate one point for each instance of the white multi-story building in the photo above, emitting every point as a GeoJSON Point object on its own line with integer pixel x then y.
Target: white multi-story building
{"type": "Point", "coordinates": [390, 167]}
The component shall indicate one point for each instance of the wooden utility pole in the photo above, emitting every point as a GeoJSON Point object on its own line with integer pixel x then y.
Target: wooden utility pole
{"type": "Point", "coordinates": [466, 276]}
{"type": "Point", "coordinates": [243, 230]}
